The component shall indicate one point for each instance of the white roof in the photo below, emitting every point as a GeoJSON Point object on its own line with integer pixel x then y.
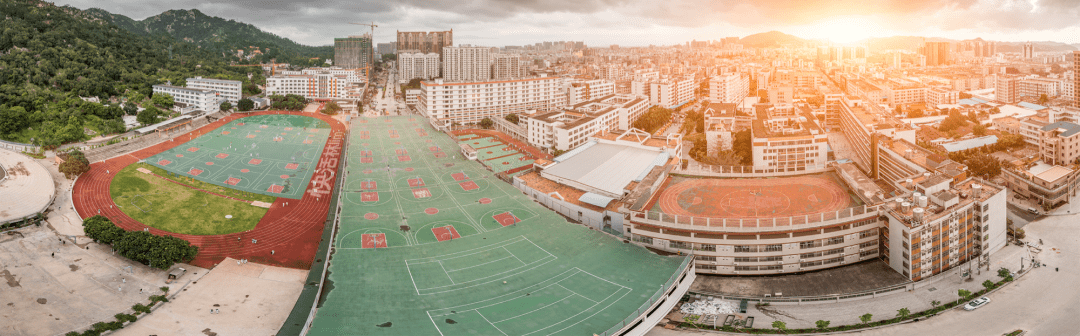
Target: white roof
{"type": "Point", "coordinates": [605, 167]}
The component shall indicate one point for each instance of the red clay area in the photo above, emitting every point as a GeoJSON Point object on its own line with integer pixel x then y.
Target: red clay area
{"type": "Point", "coordinates": [506, 139]}
{"type": "Point", "coordinates": [288, 235]}
{"type": "Point", "coordinates": [754, 198]}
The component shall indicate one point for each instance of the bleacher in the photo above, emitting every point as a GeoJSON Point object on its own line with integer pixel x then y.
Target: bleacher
{"type": "Point", "coordinates": [147, 140]}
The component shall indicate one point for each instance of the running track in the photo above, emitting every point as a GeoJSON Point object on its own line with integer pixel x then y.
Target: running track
{"type": "Point", "coordinates": [292, 232]}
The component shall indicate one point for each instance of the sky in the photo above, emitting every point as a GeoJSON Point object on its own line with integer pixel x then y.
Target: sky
{"type": "Point", "coordinates": [633, 22]}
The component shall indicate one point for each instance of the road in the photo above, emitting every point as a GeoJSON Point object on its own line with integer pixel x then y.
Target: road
{"type": "Point", "coordinates": [383, 103]}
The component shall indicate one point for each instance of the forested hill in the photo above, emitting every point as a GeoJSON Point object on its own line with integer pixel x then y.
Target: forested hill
{"type": "Point", "coordinates": [50, 56]}
{"type": "Point", "coordinates": [219, 35]}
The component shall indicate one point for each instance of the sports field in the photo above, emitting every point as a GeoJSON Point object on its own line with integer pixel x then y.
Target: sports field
{"type": "Point", "coordinates": [429, 244]}
{"type": "Point", "coordinates": [167, 205]}
{"type": "Point", "coordinates": [755, 198]}
{"type": "Point", "coordinates": [498, 156]}
{"type": "Point", "coordinates": [272, 155]}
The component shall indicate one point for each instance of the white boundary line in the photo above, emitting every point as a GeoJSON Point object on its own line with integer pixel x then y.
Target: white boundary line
{"type": "Point", "coordinates": [489, 322]}
{"type": "Point", "coordinates": [414, 284]}
{"type": "Point", "coordinates": [477, 265]}
{"type": "Point", "coordinates": [515, 297]}
{"type": "Point", "coordinates": [534, 310]}
{"type": "Point", "coordinates": [444, 272]}
{"type": "Point", "coordinates": [436, 324]}
{"type": "Point", "coordinates": [576, 293]}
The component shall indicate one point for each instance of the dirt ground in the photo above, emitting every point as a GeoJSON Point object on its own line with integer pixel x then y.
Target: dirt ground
{"type": "Point", "coordinates": [231, 299]}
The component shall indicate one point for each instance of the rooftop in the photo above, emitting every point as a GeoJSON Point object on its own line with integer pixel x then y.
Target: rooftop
{"type": "Point", "coordinates": [606, 168]}
{"type": "Point", "coordinates": [1067, 129]}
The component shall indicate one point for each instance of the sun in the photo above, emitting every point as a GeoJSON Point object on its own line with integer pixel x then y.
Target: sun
{"type": "Point", "coordinates": [844, 29]}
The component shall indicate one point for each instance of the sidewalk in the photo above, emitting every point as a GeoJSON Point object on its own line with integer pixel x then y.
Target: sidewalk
{"type": "Point", "coordinates": [941, 288]}
{"type": "Point", "coordinates": [62, 217]}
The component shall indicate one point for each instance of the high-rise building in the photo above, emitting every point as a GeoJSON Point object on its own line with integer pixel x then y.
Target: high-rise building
{"type": "Point", "coordinates": [1007, 89]}
{"type": "Point", "coordinates": [1029, 51]}
{"type": "Point", "coordinates": [352, 52]}
{"type": "Point", "coordinates": [1076, 78]}
{"type": "Point", "coordinates": [469, 102]}
{"type": "Point", "coordinates": [507, 66]}
{"type": "Point", "coordinates": [937, 53]}
{"type": "Point", "coordinates": [730, 88]}
{"type": "Point", "coordinates": [466, 64]}
{"type": "Point", "coordinates": [894, 60]}
{"type": "Point", "coordinates": [385, 48]}
{"type": "Point", "coordinates": [412, 65]}
{"type": "Point", "coordinates": [425, 42]}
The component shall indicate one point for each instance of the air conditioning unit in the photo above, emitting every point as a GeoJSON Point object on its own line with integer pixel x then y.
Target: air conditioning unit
{"type": "Point", "coordinates": [736, 272]}
{"type": "Point", "coordinates": [843, 254]}
{"type": "Point", "coordinates": [779, 271]}
{"type": "Point", "coordinates": [736, 264]}
{"type": "Point", "coordinates": [780, 262]}
{"type": "Point", "coordinates": [802, 260]}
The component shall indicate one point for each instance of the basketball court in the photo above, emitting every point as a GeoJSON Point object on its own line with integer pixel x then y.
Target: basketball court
{"type": "Point", "coordinates": [755, 198]}
{"type": "Point", "coordinates": [272, 155]}
{"type": "Point", "coordinates": [496, 155]}
{"type": "Point", "coordinates": [439, 246]}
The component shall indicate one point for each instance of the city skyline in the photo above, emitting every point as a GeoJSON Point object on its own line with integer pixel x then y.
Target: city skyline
{"type": "Point", "coordinates": [639, 23]}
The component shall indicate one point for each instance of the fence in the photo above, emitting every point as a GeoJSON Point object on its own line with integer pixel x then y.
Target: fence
{"type": "Point", "coordinates": [754, 224]}
{"type": "Point", "coordinates": [832, 298]}
{"type": "Point", "coordinates": [652, 306]}
{"type": "Point", "coordinates": [746, 171]}
{"type": "Point", "coordinates": [19, 147]}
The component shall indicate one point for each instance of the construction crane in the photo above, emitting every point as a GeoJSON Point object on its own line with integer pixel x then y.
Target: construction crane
{"type": "Point", "coordinates": [371, 48]}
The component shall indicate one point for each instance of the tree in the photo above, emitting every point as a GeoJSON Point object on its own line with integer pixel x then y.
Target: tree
{"type": "Point", "coordinates": [978, 130]}
{"type": "Point", "coordinates": [251, 89]}
{"type": "Point", "coordinates": [953, 121]}
{"type": "Point", "coordinates": [963, 294]}
{"type": "Point", "coordinates": [743, 146]}
{"type": "Point", "coordinates": [1003, 272]}
{"type": "Point", "coordinates": [865, 318]}
{"type": "Point", "coordinates": [973, 117]}
{"type": "Point", "coordinates": [915, 113]}
{"type": "Point", "coordinates": [149, 116]}
{"type": "Point", "coordinates": [225, 106]}
{"type": "Point", "coordinates": [486, 123]}
{"type": "Point", "coordinates": [13, 119]}
{"type": "Point", "coordinates": [102, 230]}
{"type": "Point", "coordinates": [903, 313]}
{"type": "Point", "coordinates": [245, 105]}
{"type": "Point", "coordinates": [1043, 99]}
{"type": "Point", "coordinates": [512, 118]}
{"type": "Point", "coordinates": [75, 163]}
{"type": "Point", "coordinates": [899, 110]}
{"type": "Point", "coordinates": [163, 100]}
{"type": "Point", "coordinates": [822, 324]}
{"type": "Point", "coordinates": [131, 109]}
{"type": "Point", "coordinates": [988, 284]}
{"type": "Point", "coordinates": [331, 108]}
{"type": "Point", "coordinates": [981, 164]}
{"type": "Point", "coordinates": [935, 303]}
{"type": "Point", "coordinates": [779, 325]}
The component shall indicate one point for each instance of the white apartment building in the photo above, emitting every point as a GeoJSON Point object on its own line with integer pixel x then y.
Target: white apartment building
{"type": "Point", "coordinates": [466, 64]}
{"type": "Point", "coordinates": [445, 102]}
{"type": "Point", "coordinates": [412, 65]}
{"type": "Point", "coordinates": [583, 90]}
{"type": "Point", "coordinates": [671, 92]}
{"type": "Point", "coordinates": [730, 88]}
{"type": "Point", "coordinates": [942, 95]}
{"type": "Point", "coordinates": [196, 99]}
{"type": "Point", "coordinates": [788, 138]}
{"type": "Point", "coordinates": [508, 66]}
{"type": "Point", "coordinates": [313, 86]}
{"type": "Point", "coordinates": [231, 90]}
{"type": "Point", "coordinates": [412, 96]}
{"type": "Point", "coordinates": [1007, 89]}
{"type": "Point", "coordinates": [1036, 87]}
{"type": "Point", "coordinates": [906, 94]}
{"type": "Point", "coordinates": [565, 129]}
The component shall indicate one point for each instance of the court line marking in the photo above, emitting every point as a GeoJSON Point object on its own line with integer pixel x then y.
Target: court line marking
{"type": "Point", "coordinates": [472, 250]}
{"type": "Point", "coordinates": [513, 255]}
{"type": "Point", "coordinates": [477, 265]}
{"type": "Point", "coordinates": [576, 293]}
{"type": "Point", "coordinates": [494, 277]}
{"type": "Point", "coordinates": [488, 321]}
{"type": "Point", "coordinates": [559, 276]}
{"type": "Point", "coordinates": [534, 310]}
{"type": "Point", "coordinates": [414, 284]}
{"type": "Point", "coordinates": [445, 272]}
{"type": "Point", "coordinates": [594, 314]}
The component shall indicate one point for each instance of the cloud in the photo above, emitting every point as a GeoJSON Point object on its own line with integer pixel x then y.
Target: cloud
{"type": "Point", "coordinates": [635, 22]}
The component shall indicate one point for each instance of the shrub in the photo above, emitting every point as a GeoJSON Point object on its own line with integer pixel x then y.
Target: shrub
{"type": "Point", "coordinates": [140, 308]}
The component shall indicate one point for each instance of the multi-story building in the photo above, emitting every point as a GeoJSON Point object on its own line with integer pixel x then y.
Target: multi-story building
{"type": "Point", "coordinates": [466, 64]}
{"type": "Point", "coordinates": [583, 90]}
{"type": "Point", "coordinates": [940, 224]}
{"type": "Point", "coordinates": [412, 96]}
{"type": "Point", "coordinates": [1046, 185]}
{"type": "Point", "coordinates": [353, 52]}
{"type": "Point", "coordinates": [1059, 143]}
{"type": "Point", "coordinates": [788, 138]}
{"type": "Point", "coordinates": [671, 92]}
{"type": "Point", "coordinates": [231, 90]}
{"type": "Point", "coordinates": [445, 102]}
{"type": "Point", "coordinates": [942, 96]}
{"type": "Point", "coordinates": [730, 88]}
{"type": "Point", "coordinates": [1037, 87]}
{"type": "Point", "coordinates": [386, 48]}
{"type": "Point", "coordinates": [417, 65]}
{"type": "Point", "coordinates": [781, 93]}
{"type": "Point", "coordinates": [722, 121]}
{"type": "Point", "coordinates": [1007, 89]}
{"type": "Point", "coordinates": [508, 66]}
{"type": "Point", "coordinates": [1029, 51]}
{"type": "Point", "coordinates": [312, 86]}
{"type": "Point", "coordinates": [1076, 78]}
{"type": "Point", "coordinates": [937, 53]}
{"type": "Point", "coordinates": [566, 129]}
{"type": "Point", "coordinates": [205, 100]}
{"type": "Point", "coordinates": [425, 42]}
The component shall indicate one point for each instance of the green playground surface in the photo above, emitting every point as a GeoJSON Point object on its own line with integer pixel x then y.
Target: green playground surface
{"type": "Point", "coordinates": [273, 155]}
{"type": "Point", "coordinates": [494, 154]}
{"type": "Point", "coordinates": [168, 206]}
{"type": "Point", "coordinates": [432, 244]}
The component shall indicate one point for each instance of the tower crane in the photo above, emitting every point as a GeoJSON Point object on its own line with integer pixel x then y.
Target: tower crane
{"type": "Point", "coordinates": [371, 48]}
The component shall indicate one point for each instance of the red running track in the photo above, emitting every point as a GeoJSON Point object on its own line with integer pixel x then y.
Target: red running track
{"type": "Point", "coordinates": [291, 232]}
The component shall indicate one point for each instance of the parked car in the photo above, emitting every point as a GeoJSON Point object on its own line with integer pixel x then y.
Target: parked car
{"type": "Point", "coordinates": [976, 303]}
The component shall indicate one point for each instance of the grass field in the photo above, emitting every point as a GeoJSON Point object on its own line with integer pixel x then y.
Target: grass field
{"type": "Point", "coordinates": [168, 206]}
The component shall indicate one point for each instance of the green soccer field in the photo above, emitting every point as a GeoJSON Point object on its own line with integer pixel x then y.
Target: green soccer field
{"type": "Point", "coordinates": [168, 206]}
{"type": "Point", "coordinates": [272, 155]}
{"type": "Point", "coordinates": [430, 244]}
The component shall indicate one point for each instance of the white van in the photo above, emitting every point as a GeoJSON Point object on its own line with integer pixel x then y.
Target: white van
{"type": "Point", "coordinates": [1033, 211]}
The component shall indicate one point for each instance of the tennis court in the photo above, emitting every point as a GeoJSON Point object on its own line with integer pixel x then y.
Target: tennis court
{"type": "Point", "coordinates": [496, 155]}
{"type": "Point", "coordinates": [437, 245]}
{"type": "Point", "coordinates": [272, 155]}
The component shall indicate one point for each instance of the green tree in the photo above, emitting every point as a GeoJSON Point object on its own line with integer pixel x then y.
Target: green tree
{"type": "Point", "coordinates": [486, 123]}
{"type": "Point", "coordinates": [512, 118]}
{"type": "Point", "coordinates": [779, 325]}
{"type": "Point", "coordinates": [865, 318]}
{"type": "Point", "coordinates": [1003, 272]}
{"type": "Point", "coordinates": [245, 105]}
{"type": "Point", "coordinates": [331, 108]}
{"type": "Point", "coordinates": [75, 164]}
{"type": "Point", "coordinates": [915, 113]}
{"type": "Point", "coordinates": [822, 324]}
{"type": "Point", "coordinates": [743, 146]}
{"type": "Point", "coordinates": [13, 119]}
{"type": "Point", "coordinates": [131, 109]}
{"type": "Point", "coordinates": [149, 116]}
{"type": "Point", "coordinates": [963, 294]}
{"type": "Point", "coordinates": [988, 284]}
{"type": "Point", "coordinates": [163, 100]}
{"type": "Point", "coordinates": [903, 313]}
{"type": "Point", "coordinates": [225, 106]}
{"type": "Point", "coordinates": [102, 230]}
{"type": "Point", "coordinates": [251, 89]}
{"type": "Point", "coordinates": [953, 121]}
{"type": "Point", "coordinates": [978, 130]}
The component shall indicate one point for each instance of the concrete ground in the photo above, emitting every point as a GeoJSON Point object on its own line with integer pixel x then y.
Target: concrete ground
{"type": "Point", "coordinates": [250, 299]}
{"type": "Point", "coordinates": [842, 147]}
{"type": "Point", "coordinates": [25, 186]}
{"type": "Point", "coordinates": [62, 217]}
{"type": "Point", "coordinates": [864, 276]}
{"type": "Point", "coordinates": [43, 294]}
{"type": "Point", "coordinates": [1042, 301]}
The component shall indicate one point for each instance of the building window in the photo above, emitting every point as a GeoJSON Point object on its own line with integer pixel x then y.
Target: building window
{"type": "Point", "coordinates": [835, 240]}
{"type": "Point", "coordinates": [774, 248]}
{"type": "Point", "coordinates": [707, 247]}
{"type": "Point", "coordinates": [707, 267]}
{"type": "Point", "coordinates": [705, 258]}
{"type": "Point", "coordinates": [643, 240]}
{"type": "Point", "coordinates": [745, 248]}
{"type": "Point", "coordinates": [679, 245]}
